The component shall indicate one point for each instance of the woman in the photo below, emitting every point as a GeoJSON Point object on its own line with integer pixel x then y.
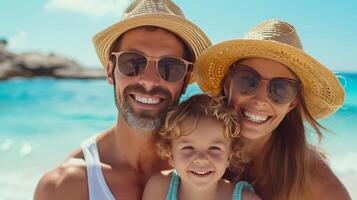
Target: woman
{"type": "Point", "coordinates": [277, 87]}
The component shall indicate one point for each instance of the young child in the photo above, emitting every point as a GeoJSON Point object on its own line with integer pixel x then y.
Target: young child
{"type": "Point", "coordinates": [200, 140]}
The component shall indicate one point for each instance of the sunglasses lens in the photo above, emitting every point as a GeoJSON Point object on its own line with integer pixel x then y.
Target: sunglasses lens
{"type": "Point", "coordinates": [131, 63]}
{"type": "Point", "coordinates": [246, 82]}
{"type": "Point", "coordinates": [282, 91]}
{"type": "Point", "coordinates": [172, 69]}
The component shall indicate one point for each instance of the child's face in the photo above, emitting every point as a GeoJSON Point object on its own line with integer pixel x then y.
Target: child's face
{"type": "Point", "coordinates": [201, 157]}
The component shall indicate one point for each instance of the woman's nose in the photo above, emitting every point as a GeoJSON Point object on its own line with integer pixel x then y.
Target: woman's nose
{"type": "Point", "coordinates": [261, 95]}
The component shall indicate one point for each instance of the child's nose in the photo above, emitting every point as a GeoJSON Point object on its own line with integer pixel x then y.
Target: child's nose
{"type": "Point", "coordinates": [201, 160]}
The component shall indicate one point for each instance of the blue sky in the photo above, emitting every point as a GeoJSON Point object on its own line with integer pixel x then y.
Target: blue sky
{"type": "Point", "coordinates": [327, 29]}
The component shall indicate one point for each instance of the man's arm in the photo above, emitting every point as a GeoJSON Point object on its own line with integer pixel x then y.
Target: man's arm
{"type": "Point", "coordinates": [68, 181]}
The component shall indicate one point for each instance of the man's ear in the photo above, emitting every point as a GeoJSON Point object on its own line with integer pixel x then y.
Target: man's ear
{"type": "Point", "coordinates": [110, 75]}
{"type": "Point", "coordinates": [186, 82]}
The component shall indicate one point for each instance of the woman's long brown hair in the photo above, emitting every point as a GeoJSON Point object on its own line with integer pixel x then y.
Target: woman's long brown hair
{"type": "Point", "coordinates": [287, 157]}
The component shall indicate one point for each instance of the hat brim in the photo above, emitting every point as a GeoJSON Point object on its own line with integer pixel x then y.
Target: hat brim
{"type": "Point", "coordinates": [322, 91]}
{"type": "Point", "coordinates": [189, 32]}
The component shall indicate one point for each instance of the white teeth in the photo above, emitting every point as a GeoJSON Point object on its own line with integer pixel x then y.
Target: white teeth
{"type": "Point", "coordinates": [255, 117]}
{"type": "Point", "coordinates": [147, 100]}
{"type": "Point", "coordinates": [201, 172]}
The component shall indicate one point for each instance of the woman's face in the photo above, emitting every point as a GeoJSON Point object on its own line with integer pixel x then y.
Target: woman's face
{"type": "Point", "coordinates": [260, 114]}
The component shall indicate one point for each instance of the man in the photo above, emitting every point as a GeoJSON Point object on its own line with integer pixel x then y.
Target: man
{"type": "Point", "coordinates": [148, 57]}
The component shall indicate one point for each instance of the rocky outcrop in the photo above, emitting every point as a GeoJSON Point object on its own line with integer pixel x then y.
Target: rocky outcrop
{"type": "Point", "coordinates": [37, 64]}
{"type": "Point", "coordinates": [79, 73]}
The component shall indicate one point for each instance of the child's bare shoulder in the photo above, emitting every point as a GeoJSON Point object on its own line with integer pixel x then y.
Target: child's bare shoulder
{"type": "Point", "coordinates": [225, 189]}
{"type": "Point", "coordinates": [162, 178]}
{"type": "Point", "coordinates": [226, 185]}
{"type": "Point", "coordinates": [157, 186]}
{"type": "Point", "coordinates": [248, 195]}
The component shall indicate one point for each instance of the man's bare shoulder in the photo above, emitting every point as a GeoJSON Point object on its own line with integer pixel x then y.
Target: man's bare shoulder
{"type": "Point", "coordinates": [101, 139]}
{"type": "Point", "coordinates": [325, 184]}
{"type": "Point", "coordinates": [67, 181]}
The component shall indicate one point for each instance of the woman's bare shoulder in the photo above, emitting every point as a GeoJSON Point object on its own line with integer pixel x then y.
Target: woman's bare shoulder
{"type": "Point", "coordinates": [325, 184]}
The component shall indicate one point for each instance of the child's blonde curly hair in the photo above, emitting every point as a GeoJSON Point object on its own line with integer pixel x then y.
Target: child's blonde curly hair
{"type": "Point", "coordinates": [195, 108]}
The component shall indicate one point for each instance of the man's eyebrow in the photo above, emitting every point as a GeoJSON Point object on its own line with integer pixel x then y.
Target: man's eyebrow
{"type": "Point", "coordinates": [135, 50]}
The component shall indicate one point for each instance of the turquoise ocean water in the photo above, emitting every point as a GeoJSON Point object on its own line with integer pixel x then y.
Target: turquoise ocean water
{"type": "Point", "coordinates": [43, 120]}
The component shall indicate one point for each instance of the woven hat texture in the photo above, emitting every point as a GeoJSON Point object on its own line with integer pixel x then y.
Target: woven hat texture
{"type": "Point", "coordinates": [275, 40]}
{"type": "Point", "coordinates": [161, 13]}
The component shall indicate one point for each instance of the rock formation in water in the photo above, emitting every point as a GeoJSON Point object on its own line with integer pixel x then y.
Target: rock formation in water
{"type": "Point", "coordinates": [38, 64]}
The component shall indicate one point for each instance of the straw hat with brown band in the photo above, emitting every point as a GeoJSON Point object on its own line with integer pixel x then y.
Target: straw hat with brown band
{"type": "Point", "coordinates": [161, 13]}
{"type": "Point", "coordinates": [278, 41]}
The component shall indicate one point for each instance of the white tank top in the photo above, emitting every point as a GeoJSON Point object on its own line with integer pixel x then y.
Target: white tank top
{"type": "Point", "coordinates": [98, 188]}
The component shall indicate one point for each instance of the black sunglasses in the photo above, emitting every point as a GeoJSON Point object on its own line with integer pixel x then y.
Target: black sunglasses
{"type": "Point", "coordinates": [246, 81]}
{"type": "Point", "coordinates": [170, 69]}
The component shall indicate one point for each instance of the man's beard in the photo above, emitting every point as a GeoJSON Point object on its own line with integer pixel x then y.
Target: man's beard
{"type": "Point", "coordinates": [143, 120]}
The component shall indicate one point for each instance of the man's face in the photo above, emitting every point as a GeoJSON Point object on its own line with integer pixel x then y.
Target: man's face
{"type": "Point", "coordinates": [144, 99]}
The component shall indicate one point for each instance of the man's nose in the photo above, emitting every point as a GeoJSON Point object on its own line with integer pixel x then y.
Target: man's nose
{"type": "Point", "coordinates": [150, 78]}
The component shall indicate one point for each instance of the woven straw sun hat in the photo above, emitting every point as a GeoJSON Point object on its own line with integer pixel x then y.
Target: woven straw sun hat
{"type": "Point", "coordinates": [278, 41]}
{"type": "Point", "coordinates": [160, 13]}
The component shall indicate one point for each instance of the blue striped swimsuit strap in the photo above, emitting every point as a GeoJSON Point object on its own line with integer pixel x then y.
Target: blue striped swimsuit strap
{"type": "Point", "coordinates": [238, 188]}
{"type": "Point", "coordinates": [174, 184]}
